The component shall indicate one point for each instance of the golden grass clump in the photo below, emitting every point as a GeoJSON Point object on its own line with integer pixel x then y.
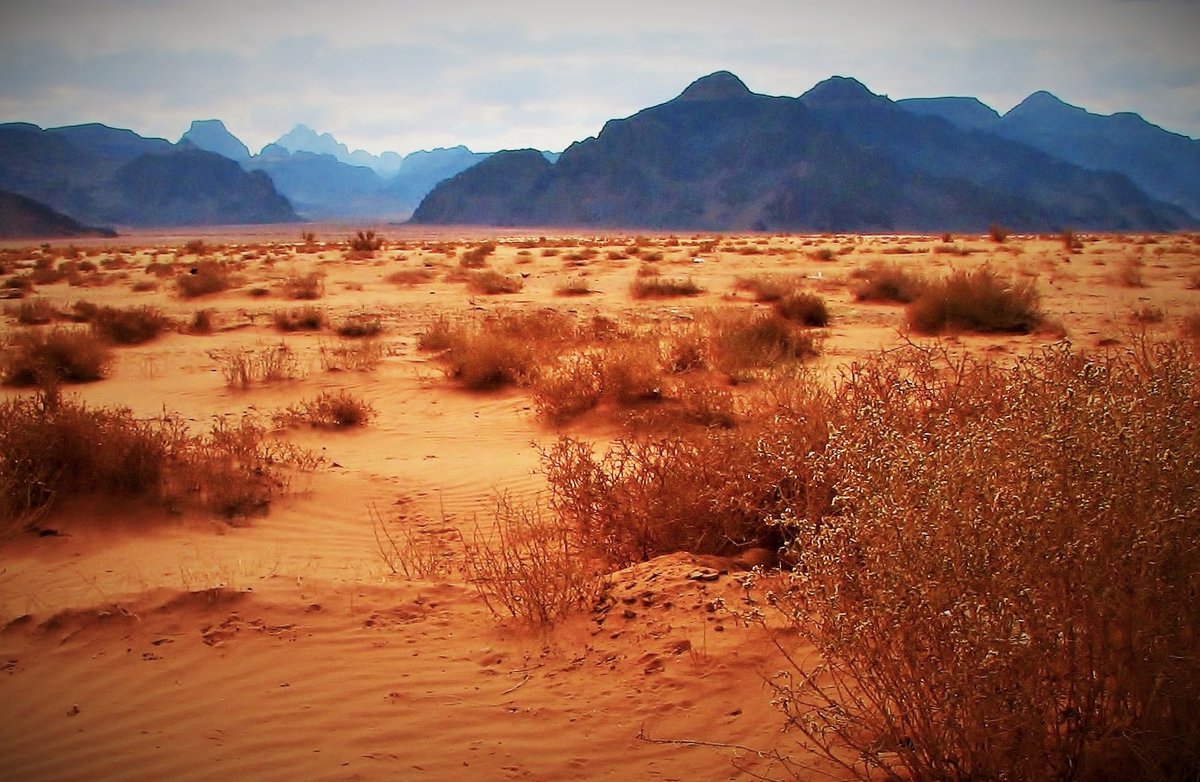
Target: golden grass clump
{"type": "Point", "coordinates": [128, 325]}
{"type": "Point", "coordinates": [887, 282]}
{"type": "Point", "coordinates": [491, 282]}
{"type": "Point", "coordinates": [305, 318]}
{"type": "Point", "coordinates": [205, 278]}
{"type": "Point", "coordinates": [656, 286]}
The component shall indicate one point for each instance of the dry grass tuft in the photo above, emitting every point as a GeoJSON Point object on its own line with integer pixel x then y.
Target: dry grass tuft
{"type": "Point", "coordinates": [656, 286]}
{"type": "Point", "coordinates": [888, 282]}
{"type": "Point", "coordinates": [203, 279]}
{"type": "Point", "coordinates": [328, 410]}
{"type": "Point", "coordinates": [306, 318]}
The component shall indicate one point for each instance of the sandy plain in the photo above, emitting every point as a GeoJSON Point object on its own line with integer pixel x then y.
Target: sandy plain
{"type": "Point", "coordinates": [143, 644]}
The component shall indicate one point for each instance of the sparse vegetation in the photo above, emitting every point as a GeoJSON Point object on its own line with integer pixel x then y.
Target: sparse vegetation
{"type": "Point", "coordinates": [489, 281]}
{"type": "Point", "coordinates": [129, 325]}
{"type": "Point", "coordinates": [269, 364]}
{"type": "Point", "coordinates": [359, 325]}
{"type": "Point", "coordinates": [365, 243]}
{"type": "Point", "coordinates": [51, 448]}
{"type": "Point", "coordinates": [808, 309]}
{"type": "Point", "coordinates": [887, 282]}
{"type": "Point", "coordinates": [306, 318]}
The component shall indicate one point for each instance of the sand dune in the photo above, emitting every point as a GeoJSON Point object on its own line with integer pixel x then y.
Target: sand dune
{"type": "Point", "coordinates": [140, 643]}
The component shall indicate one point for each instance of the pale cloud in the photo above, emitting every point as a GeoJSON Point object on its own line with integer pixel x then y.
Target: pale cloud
{"type": "Point", "coordinates": [403, 76]}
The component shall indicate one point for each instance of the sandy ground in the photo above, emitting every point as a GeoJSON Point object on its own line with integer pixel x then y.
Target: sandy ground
{"type": "Point", "coordinates": [140, 644]}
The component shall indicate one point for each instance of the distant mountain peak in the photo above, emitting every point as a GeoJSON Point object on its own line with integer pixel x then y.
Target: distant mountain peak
{"type": "Point", "coordinates": [1042, 102]}
{"type": "Point", "coordinates": [213, 136]}
{"type": "Point", "coordinates": [721, 85]}
{"type": "Point", "coordinates": [839, 90]}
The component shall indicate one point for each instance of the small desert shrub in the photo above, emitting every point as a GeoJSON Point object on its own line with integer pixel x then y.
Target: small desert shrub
{"type": "Point", "coordinates": [307, 287]}
{"type": "Point", "coordinates": [19, 285]}
{"type": "Point", "coordinates": [807, 309]}
{"type": "Point", "coordinates": [576, 285]}
{"type": "Point", "coordinates": [1071, 242]}
{"type": "Point", "coordinates": [659, 287]}
{"type": "Point", "coordinates": [531, 566]}
{"type": "Point", "coordinates": [243, 368]}
{"type": "Point", "coordinates": [1191, 326]}
{"type": "Point", "coordinates": [744, 341]}
{"type": "Point", "coordinates": [476, 257]}
{"type": "Point", "coordinates": [767, 287]}
{"type": "Point", "coordinates": [203, 279]}
{"type": "Point", "coordinates": [196, 247]}
{"type": "Point", "coordinates": [359, 325]}
{"type": "Point", "coordinates": [1129, 275]}
{"type": "Point", "coordinates": [202, 322]}
{"type": "Point", "coordinates": [357, 355]}
{"type": "Point", "coordinates": [365, 242]}
{"type": "Point", "coordinates": [48, 357]}
{"type": "Point", "coordinates": [998, 233]}
{"type": "Point", "coordinates": [415, 276]}
{"type": "Point", "coordinates": [889, 282]}
{"type": "Point", "coordinates": [630, 372]}
{"type": "Point", "coordinates": [483, 360]}
{"type": "Point", "coordinates": [1148, 315]}
{"type": "Point", "coordinates": [307, 318]}
{"type": "Point", "coordinates": [35, 312]}
{"type": "Point", "coordinates": [489, 281]}
{"type": "Point", "coordinates": [568, 387]}
{"type": "Point", "coordinates": [438, 335]}
{"type": "Point", "coordinates": [328, 410]}
{"type": "Point", "coordinates": [130, 325]}
{"type": "Point", "coordinates": [976, 301]}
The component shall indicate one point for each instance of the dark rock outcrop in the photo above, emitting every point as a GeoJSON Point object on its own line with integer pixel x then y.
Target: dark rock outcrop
{"type": "Point", "coordinates": [24, 218]}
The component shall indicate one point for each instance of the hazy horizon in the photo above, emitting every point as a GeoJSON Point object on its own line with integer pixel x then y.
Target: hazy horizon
{"type": "Point", "coordinates": [401, 77]}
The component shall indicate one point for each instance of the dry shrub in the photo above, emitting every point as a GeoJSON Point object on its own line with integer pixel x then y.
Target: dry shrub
{"type": "Point", "coordinates": [630, 372]}
{"type": "Point", "coordinates": [500, 349]}
{"type": "Point", "coordinates": [476, 257]}
{"type": "Point", "coordinates": [328, 410]}
{"type": "Point", "coordinates": [203, 279]}
{"type": "Point", "coordinates": [1148, 315]}
{"type": "Point", "coordinates": [306, 318]}
{"type": "Point", "coordinates": [768, 287]}
{"type": "Point", "coordinates": [52, 447]}
{"type": "Point", "coordinates": [743, 342]}
{"type": "Point", "coordinates": [1190, 326]}
{"type": "Point", "coordinates": [359, 325]}
{"type": "Point", "coordinates": [415, 276]}
{"type": "Point", "coordinates": [531, 566]}
{"type": "Point", "coordinates": [1129, 275]}
{"type": "Point", "coordinates": [703, 491]}
{"type": "Point", "coordinates": [576, 285]}
{"type": "Point", "coordinates": [490, 281]}
{"type": "Point", "coordinates": [659, 287]}
{"type": "Point", "coordinates": [48, 357]}
{"type": "Point", "coordinates": [807, 309]}
{"type": "Point", "coordinates": [1004, 584]}
{"type": "Point", "coordinates": [306, 287]}
{"type": "Point", "coordinates": [364, 242]}
{"type": "Point", "coordinates": [889, 282]}
{"type": "Point", "coordinates": [359, 355]}
{"type": "Point", "coordinates": [978, 301]}
{"type": "Point", "coordinates": [418, 552]}
{"type": "Point", "coordinates": [34, 312]}
{"type": "Point", "coordinates": [269, 364]}
{"type": "Point", "coordinates": [569, 386]}
{"type": "Point", "coordinates": [202, 322]}
{"type": "Point", "coordinates": [129, 325]}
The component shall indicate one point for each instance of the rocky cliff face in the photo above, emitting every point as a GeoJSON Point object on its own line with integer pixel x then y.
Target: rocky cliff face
{"type": "Point", "coordinates": [24, 218]}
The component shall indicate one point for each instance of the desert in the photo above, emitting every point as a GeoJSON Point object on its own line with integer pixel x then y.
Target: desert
{"type": "Point", "coordinates": [479, 503]}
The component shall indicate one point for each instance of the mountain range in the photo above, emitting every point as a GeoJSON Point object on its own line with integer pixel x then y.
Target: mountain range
{"type": "Point", "coordinates": [836, 158]}
{"type": "Point", "coordinates": [717, 157]}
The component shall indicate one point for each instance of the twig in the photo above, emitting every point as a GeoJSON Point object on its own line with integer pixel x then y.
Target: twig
{"type": "Point", "coordinates": [515, 687]}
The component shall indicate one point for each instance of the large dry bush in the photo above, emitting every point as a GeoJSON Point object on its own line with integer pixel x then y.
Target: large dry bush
{"type": "Point", "coordinates": [205, 278]}
{"type": "Point", "coordinates": [129, 325]}
{"type": "Point", "coordinates": [37, 357]}
{"type": "Point", "coordinates": [51, 447]}
{"type": "Point", "coordinates": [979, 301]}
{"type": "Point", "coordinates": [1005, 583]}
{"type": "Point", "coordinates": [887, 282]}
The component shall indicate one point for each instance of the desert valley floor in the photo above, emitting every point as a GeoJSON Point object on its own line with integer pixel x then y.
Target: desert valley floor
{"type": "Point", "coordinates": [336, 636]}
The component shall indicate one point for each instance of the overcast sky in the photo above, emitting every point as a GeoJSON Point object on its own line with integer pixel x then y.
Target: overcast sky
{"type": "Point", "coordinates": [405, 75]}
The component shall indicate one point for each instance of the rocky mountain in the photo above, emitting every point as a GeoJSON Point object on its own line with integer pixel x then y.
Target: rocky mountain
{"type": "Point", "coordinates": [24, 218]}
{"type": "Point", "coordinates": [838, 158]}
{"type": "Point", "coordinates": [110, 176]}
{"type": "Point", "coordinates": [304, 139]}
{"type": "Point", "coordinates": [1165, 165]}
{"type": "Point", "coordinates": [213, 136]}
